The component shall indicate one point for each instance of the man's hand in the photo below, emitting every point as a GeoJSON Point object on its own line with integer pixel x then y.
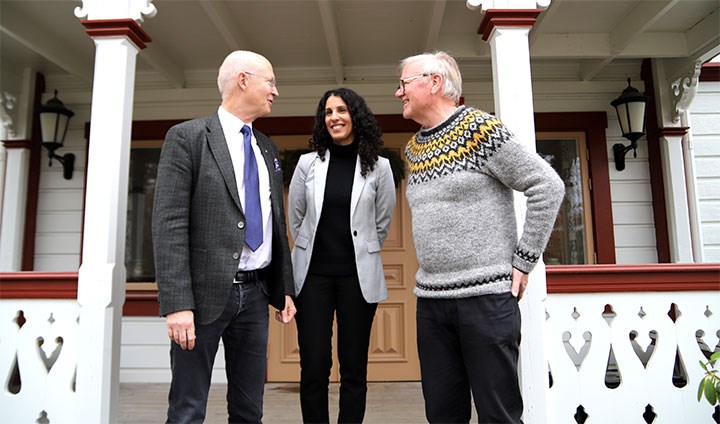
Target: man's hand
{"type": "Point", "coordinates": [181, 328]}
{"type": "Point", "coordinates": [519, 283]}
{"type": "Point", "coordinates": [287, 314]}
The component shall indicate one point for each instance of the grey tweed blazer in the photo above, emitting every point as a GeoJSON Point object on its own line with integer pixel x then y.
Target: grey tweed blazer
{"type": "Point", "coordinates": [198, 223]}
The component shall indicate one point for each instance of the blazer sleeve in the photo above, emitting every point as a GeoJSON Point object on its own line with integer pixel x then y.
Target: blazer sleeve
{"type": "Point", "coordinates": [384, 199]}
{"type": "Point", "coordinates": [171, 224]}
{"type": "Point", "coordinates": [297, 199]}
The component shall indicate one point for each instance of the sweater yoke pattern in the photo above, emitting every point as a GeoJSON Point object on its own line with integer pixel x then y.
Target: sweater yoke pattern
{"type": "Point", "coordinates": [465, 142]}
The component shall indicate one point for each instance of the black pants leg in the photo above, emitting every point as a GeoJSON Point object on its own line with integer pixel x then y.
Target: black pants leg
{"type": "Point", "coordinates": [243, 326]}
{"type": "Point", "coordinates": [354, 318]}
{"type": "Point", "coordinates": [445, 384]}
{"type": "Point", "coordinates": [314, 318]}
{"type": "Point", "coordinates": [320, 298]}
{"type": "Point", "coordinates": [246, 341]}
{"type": "Point", "coordinates": [468, 345]}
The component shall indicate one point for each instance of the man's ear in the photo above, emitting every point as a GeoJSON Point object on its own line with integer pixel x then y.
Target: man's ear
{"type": "Point", "coordinates": [240, 80]}
{"type": "Point", "coordinates": [437, 83]}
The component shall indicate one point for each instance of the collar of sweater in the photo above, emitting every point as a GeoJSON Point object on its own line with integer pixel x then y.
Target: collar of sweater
{"type": "Point", "coordinates": [343, 151]}
{"type": "Point", "coordinates": [425, 134]}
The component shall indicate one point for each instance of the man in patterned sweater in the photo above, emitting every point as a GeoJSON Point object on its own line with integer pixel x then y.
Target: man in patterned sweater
{"type": "Point", "coordinates": [464, 165]}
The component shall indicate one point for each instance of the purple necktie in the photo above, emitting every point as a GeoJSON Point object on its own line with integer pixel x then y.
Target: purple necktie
{"type": "Point", "coordinates": [253, 212]}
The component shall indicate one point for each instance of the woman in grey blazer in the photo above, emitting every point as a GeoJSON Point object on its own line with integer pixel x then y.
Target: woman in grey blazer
{"type": "Point", "coordinates": [340, 203]}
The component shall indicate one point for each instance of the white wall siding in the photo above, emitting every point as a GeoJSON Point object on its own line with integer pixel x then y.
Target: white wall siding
{"type": "Point", "coordinates": [145, 352]}
{"type": "Point", "coordinates": [59, 216]}
{"type": "Point", "coordinates": [630, 190]}
{"type": "Point", "coordinates": [705, 121]}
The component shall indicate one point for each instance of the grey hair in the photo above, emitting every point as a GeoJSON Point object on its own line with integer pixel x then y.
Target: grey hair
{"type": "Point", "coordinates": [233, 64]}
{"type": "Point", "coordinates": [442, 64]}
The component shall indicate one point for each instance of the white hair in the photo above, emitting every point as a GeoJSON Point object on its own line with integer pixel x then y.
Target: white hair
{"type": "Point", "coordinates": [439, 63]}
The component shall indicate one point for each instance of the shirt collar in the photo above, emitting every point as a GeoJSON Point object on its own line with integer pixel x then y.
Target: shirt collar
{"type": "Point", "coordinates": [230, 122]}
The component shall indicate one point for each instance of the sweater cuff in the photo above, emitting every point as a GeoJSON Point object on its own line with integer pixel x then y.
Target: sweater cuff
{"type": "Point", "coordinates": [524, 261]}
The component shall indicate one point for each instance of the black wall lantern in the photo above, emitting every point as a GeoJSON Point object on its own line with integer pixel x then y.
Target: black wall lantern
{"type": "Point", "coordinates": [630, 108]}
{"type": "Point", "coordinates": [54, 118]}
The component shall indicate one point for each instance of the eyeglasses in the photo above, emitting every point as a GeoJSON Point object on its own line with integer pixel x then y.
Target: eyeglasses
{"type": "Point", "coordinates": [405, 81]}
{"type": "Point", "coordinates": [270, 81]}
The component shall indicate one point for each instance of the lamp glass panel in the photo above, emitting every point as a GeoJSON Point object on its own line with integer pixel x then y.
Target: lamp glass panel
{"type": "Point", "coordinates": [48, 122]}
{"type": "Point", "coordinates": [62, 128]}
{"type": "Point", "coordinates": [637, 117]}
{"type": "Point", "coordinates": [53, 126]}
{"type": "Point", "coordinates": [622, 112]}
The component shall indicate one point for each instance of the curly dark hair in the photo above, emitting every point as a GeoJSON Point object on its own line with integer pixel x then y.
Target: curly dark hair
{"type": "Point", "coordinates": [366, 131]}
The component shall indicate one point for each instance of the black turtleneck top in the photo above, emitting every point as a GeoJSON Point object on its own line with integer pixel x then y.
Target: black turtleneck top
{"type": "Point", "coordinates": [333, 253]}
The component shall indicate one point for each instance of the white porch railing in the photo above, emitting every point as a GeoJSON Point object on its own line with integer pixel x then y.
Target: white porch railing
{"type": "Point", "coordinates": [38, 360]}
{"type": "Point", "coordinates": [653, 373]}
{"type": "Point", "coordinates": [614, 356]}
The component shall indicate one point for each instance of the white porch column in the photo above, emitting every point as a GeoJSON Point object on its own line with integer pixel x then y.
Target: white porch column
{"type": "Point", "coordinates": [16, 134]}
{"type": "Point", "coordinates": [101, 279]}
{"type": "Point", "coordinates": [673, 97]}
{"type": "Point", "coordinates": [676, 201]}
{"type": "Point", "coordinates": [507, 32]}
{"type": "Point", "coordinates": [12, 225]}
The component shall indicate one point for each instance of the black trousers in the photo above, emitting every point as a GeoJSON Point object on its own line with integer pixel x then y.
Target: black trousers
{"type": "Point", "coordinates": [465, 345]}
{"type": "Point", "coordinates": [322, 297]}
{"type": "Point", "coordinates": [243, 328]}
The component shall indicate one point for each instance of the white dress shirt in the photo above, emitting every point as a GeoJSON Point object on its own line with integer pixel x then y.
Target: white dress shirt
{"type": "Point", "coordinates": [231, 126]}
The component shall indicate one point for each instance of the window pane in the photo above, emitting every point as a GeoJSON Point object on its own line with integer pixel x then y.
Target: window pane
{"type": "Point", "coordinates": [567, 245]}
{"type": "Point", "coordinates": [139, 261]}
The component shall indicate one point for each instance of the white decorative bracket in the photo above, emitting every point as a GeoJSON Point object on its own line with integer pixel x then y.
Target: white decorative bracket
{"type": "Point", "coordinates": [684, 89]}
{"type": "Point", "coordinates": [507, 4]}
{"type": "Point", "coordinates": [8, 112]}
{"type": "Point", "coordinates": [116, 9]}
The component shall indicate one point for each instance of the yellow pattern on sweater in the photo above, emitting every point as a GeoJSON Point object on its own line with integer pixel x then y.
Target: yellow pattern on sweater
{"type": "Point", "coordinates": [436, 152]}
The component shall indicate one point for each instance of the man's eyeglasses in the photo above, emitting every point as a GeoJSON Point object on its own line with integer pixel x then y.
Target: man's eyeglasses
{"type": "Point", "coordinates": [405, 81]}
{"type": "Point", "coordinates": [270, 81]}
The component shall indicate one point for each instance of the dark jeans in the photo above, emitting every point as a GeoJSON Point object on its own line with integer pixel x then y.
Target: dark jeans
{"type": "Point", "coordinates": [320, 298]}
{"type": "Point", "coordinates": [243, 328]}
{"type": "Point", "coordinates": [465, 345]}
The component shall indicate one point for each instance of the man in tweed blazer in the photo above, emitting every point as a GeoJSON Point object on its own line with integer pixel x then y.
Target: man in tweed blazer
{"type": "Point", "coordinates": [211, 284]}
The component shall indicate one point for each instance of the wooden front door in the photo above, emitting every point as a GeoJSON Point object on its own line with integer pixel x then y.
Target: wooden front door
{"type": "Point", "coordinates": [393, 351]}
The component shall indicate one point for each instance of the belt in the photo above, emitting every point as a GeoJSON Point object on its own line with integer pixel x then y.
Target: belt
{"type": "Point", "coordinates": [242, 277]}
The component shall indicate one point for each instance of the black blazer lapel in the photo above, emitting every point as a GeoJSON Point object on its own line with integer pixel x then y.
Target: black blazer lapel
{"type": "Point", "coordinates": [218, 146]}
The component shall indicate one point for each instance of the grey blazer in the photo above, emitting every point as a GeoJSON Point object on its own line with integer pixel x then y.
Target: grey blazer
{"type": "Point", "coordinates": [371, 208]}
{"type": "Point", "coordinates": [198, 224]}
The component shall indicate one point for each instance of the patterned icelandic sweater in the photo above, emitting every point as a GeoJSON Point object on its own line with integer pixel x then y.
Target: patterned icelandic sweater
{"type": "Point", "coordinates": [460, 192]}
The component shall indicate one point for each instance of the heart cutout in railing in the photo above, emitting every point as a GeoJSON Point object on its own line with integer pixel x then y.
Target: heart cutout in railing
{"type": "Point", "coordinates": [50, 360]}
{"type": "Point", "coordinates": [577, 356]}
{"type": "Point", "coordinates": [644, 354]}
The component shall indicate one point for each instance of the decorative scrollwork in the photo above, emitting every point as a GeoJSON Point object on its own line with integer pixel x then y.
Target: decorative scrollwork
{"type": "Point", "coordinates": [7, 112]}
{"type": "Point", "coordinates": [117, 9]}
{"type": "Point", "coordinates": [507, 4]}
{"type": "Point", "coordinates": [684, 89]}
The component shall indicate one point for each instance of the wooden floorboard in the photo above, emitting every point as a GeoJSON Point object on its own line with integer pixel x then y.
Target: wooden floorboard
{"type": "Point", "coordinates": [387, 403]}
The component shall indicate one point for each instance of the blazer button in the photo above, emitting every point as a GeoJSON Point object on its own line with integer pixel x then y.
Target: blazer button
{"type": "Point", "coordinates": [355, 233]}
{"type": "Point", "coordinates": [236, 255]}
{"type": "Point", "coordinates": [241, 225]}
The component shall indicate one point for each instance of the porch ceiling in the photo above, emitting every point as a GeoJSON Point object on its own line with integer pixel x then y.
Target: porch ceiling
{"type": "Point", "coordinates": [340, 41]}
